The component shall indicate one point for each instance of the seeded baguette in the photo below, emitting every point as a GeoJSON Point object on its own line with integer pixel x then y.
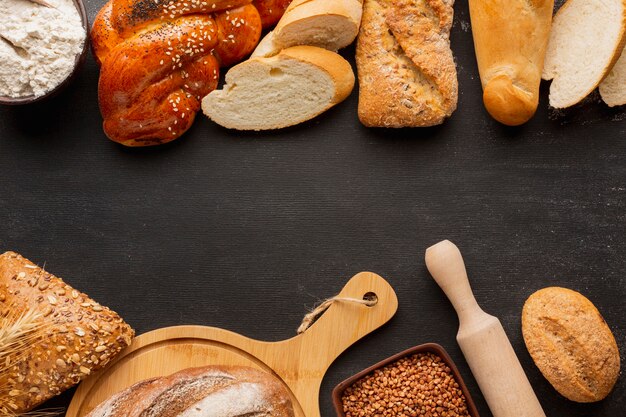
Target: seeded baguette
{"type": "Point", "coordinates": [66, 335]}
{"type": "Point", "coordinates": [407, 75]}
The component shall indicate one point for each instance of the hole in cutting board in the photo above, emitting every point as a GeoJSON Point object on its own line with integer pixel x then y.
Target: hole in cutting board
{"type": "Point", "coordinates": [372, 297]}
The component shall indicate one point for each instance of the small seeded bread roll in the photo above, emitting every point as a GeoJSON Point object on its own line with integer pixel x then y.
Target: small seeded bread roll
{"type": "Point", "coordinates": [571, 344]}
{"type": "Point", "coordinates": [51, 335]}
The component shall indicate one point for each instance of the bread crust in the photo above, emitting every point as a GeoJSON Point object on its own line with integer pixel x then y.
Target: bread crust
{"type": "Point", "coordinates": [407, 75]}
{"type": "Point", "coordinates": [78, 336]}
{"type": "Point", "coordinates": [571, 344]}
{"type": "Point", "coordinates": [172, 395]}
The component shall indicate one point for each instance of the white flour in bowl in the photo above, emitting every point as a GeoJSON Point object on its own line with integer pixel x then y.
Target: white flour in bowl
{"type": "Point", "coordinates": [38, 45]}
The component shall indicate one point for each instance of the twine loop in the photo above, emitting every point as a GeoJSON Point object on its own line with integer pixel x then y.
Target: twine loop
{"type": "Point", "coordinates": [311, 317]}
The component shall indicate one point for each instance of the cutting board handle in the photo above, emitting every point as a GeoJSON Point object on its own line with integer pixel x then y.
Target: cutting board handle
{"type": "Point", "coordinates": [346, 322]}
{"type": "Point", "coordinates": [445, 264]}
{"type": "Point", "coordinates": [303, 360]}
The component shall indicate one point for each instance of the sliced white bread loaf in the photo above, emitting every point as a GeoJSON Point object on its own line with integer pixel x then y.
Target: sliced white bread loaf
{"type": "Point", "coordinates": [613, 88]}
{"type": "Point", "coordinates": [586, 40]}
{"type": "Point", "coordinates": [296, 85]}
{"type": "Point", "coordinates": [329, 24]}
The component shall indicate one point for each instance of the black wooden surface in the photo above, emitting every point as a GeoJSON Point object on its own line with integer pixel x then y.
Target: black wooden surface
{"type": "Point", "coordinates": [246, 231]}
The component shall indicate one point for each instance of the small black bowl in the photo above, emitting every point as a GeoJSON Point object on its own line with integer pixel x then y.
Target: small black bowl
{"type": "Point", "coordinates": [78, 62]}
{"type": "Point", "coordinates": [425, 348]}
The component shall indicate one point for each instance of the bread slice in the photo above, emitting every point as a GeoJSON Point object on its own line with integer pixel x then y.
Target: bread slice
{"type": "Point", "coordinates": [613, 88]}
{"type": "Point", "coordinates": [586, 40]}
{"type": "Point", "coordinates": [328, 24]}
{"type": "Point", "coordinates": [296, 85]}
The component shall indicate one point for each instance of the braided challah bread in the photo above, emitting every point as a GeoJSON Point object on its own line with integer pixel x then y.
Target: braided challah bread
{"type": "Point", "coordinates": [212, 391]}
{"type": "Point", "coordinates": [160, 57]}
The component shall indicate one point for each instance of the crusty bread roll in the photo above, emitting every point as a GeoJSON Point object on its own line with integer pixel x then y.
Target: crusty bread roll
{"type": "Point", "coordinates": [587, 39]}
{"type": "Point", "coordinates": [51, 335]}
{"type": "Point", "coordinates": [328, 24]}
{"type": "Point", "coordinates": [212, 391]}
{"type": "Point", "coordinates": [571, 344]}
{"type": "Point", "coordinates": [510, 38]}
{"type": "Point", "coordinates": [296, 85]}
{"type": "Point", "coordinates": [407, 75]}
{"type": "Point", "coordinates": [613, 88]}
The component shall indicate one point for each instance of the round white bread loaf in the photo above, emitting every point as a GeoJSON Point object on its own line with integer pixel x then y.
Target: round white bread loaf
{"type": "Point", "coordinates": [296, 85]}
{"type": "Point", "coordinates": [212, 391]}
{"type": "Point", "coordinates": [586, 40]}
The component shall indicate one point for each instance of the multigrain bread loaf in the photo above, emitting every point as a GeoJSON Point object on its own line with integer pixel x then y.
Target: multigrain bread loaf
{"type": "Point", "coordinates": [51, 335]}
{"type": "Point", "coordinates": [328, 24]}
{"type": "Point", "coordinates": [212, 391]}
{"type": "Point", "coordinates": [613, 87]}
{"type": "Point", "coordinates": [296, 85]}
{"type": "Point", "coordinates": [407, 75]}
{"type": "Point", "coordinates": [586, 40]}
{"type": "Point", "coordinates": [510, 39]}
{"type": "Point", "coordinates": [571, 344]}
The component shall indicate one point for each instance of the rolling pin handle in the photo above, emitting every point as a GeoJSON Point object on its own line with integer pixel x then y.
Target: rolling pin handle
{"type": "Point", "coordinates": [445, 264]}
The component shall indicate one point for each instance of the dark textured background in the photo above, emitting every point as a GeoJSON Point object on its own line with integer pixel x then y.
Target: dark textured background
{"type": "Point", "coordinates": [246, 231]}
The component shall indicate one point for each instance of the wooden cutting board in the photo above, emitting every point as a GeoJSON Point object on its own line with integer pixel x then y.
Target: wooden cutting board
{"type": "Point", "coordinates": [300, 362]}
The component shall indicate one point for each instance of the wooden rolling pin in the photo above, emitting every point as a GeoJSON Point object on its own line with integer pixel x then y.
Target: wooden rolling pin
{"type": "Point", "coordinates": [482, 339]}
